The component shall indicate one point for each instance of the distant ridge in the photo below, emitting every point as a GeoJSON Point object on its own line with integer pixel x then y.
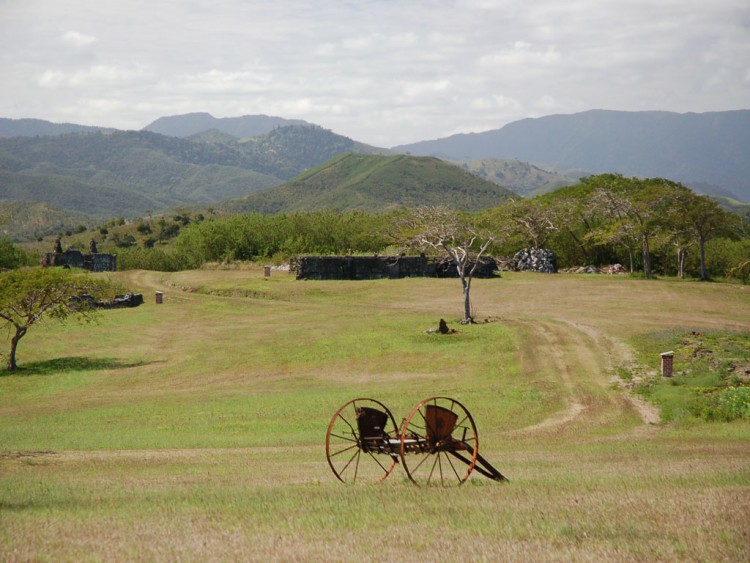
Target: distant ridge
{"type": "Point", "coordinates": [194, 123]}
{"type": "Point", "coordinates": [706, 148]}
{"type": "Point", "coordinates": [39, 128]}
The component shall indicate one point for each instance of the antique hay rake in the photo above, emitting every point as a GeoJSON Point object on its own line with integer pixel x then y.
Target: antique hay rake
{"type": "Point", "coordinates": [437, 443]}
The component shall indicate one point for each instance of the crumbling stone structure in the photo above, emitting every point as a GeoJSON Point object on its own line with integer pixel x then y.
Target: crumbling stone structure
{"type": "Point", "coordinates": [73, 258]}
{"type": "Point", "coordinates": [380, 267]}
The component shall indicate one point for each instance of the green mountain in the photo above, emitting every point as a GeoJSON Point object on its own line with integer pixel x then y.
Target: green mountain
{"type": "Point", "coordinates": [522, 178]}
{"type": "Point", "coordinates": [374, 183]}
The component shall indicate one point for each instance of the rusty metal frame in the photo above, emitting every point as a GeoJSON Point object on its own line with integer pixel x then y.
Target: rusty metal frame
{"type": "Point", "coordinates": [434, 442]}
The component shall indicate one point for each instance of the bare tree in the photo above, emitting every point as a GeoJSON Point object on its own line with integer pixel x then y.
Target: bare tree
{"type": "Point", "coordinates": [452, 233]}
{"type": "Point", "coordinates": [533, 219]}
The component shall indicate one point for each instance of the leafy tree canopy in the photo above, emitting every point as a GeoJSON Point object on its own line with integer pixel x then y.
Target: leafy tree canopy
{"type": "Point", "coordinates": [30, 295]}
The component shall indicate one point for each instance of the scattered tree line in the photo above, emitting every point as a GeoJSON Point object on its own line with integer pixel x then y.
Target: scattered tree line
{"type": "Point", "coordinates": [650, 226]}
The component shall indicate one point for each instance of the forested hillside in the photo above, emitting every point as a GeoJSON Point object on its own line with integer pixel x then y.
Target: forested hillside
{"type": "Point", "coordinates": [374, 183]}
{"type": "Point", "coordinates": [129, 173]}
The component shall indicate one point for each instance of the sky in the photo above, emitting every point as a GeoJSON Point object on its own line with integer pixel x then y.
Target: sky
{"type": "Point", "coordinates": [382, 72]}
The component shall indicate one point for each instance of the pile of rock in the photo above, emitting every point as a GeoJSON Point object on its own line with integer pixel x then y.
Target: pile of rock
{"type": "Point", "coordinates": [118, 302]}
{"type": "Point", "coordinates": [611, 269]}
{"type": "Point", "coordinates": [534, 260]}
{"type": "Point", "coordinates": [614, 269]}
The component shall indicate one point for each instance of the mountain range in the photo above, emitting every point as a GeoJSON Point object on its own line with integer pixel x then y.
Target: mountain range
{"type": "Point", "coordinates": [708, 151]}
{"type": "Point", "coordinates": [272, 164]}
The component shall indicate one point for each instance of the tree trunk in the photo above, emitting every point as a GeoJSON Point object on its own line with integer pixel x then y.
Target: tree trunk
{"type": "Point", "coordinates": [681, 253]}
{"type": "Point", "coordinates": [702, 243]}
{"type": "Point", "coordinates": [631, 258]}
{"type": "Point", "coordinates": [646, 259]}
{"type": "Point", "coordinates": [467, 300]}
{"type": "Point", "coordinates": [20, 331]}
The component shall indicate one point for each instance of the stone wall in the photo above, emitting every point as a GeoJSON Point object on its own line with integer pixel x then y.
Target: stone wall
{"type": "Point", "coordinates": [379, 267]}
{"type": "Point", "coordinates": [72, 258]}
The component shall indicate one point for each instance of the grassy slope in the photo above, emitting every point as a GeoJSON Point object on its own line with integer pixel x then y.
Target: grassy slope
{"type": "Point", "coordinates": [195, 429]}
{"type": "Point", "coordinates": [373, 183]}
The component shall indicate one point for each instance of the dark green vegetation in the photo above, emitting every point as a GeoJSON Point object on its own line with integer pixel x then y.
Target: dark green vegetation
{"type": "Point", "coordinates": [11, 256]}
{"type": "Point", "coordinates": [708, 150]}
{"type": "Point", "coordinates": [376, 183]}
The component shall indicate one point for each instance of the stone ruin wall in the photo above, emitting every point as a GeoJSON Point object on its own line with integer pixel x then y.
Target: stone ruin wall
{"type": "Point", "coordinates": [76, 259]}
{"type": "Point", "coordinates": [381, 267]}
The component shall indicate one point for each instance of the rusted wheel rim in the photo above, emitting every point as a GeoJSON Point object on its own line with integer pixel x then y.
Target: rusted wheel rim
{"type": "Point", "coordinates": [435, 455]}
{"type": "Point", "coordinates": [348, 460]}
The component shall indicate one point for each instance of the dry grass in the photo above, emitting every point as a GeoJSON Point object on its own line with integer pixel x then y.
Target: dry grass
{"type": "Point", "coordinates": [200, 436]}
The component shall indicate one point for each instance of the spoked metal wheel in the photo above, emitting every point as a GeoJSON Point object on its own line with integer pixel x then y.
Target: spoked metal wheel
{"type": "Point", "coordinates": [362, 441]}
{"type": "Point", "coordinates": [439, 443]}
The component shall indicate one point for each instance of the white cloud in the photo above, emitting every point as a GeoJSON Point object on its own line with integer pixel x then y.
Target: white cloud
{"type": "Point", "coordinates": [381, 72]}
{"type": "Point", "coordinates": [92, 77]}
{"type": "Point", "coordinates": [78, 39]}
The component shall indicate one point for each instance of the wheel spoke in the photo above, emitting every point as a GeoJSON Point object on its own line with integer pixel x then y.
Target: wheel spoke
{"type": "Point", "coordinates": [347, 438]}
{"type": "Point", "coordinates": [348, 463]}
{"type": "Point", "coordinates": [334, 454]}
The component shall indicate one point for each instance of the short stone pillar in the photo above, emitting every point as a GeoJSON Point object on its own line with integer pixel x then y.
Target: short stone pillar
{"type": "Point", "coordinates": [159, 297]}
{"type": "Point", "coordinates": [667, 359]}
{"type": "Point", "coordinates": [267, 271]}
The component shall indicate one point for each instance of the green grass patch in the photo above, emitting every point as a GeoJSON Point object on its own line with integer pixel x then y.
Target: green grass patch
{"type": "Point", "coordinates": [711, 375]}
{"type": "Point", "coordinates": [195, 429]}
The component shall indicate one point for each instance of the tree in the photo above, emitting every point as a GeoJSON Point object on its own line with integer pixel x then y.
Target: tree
{"type": "Point", "coordinates": [638, 209]}
{"type": "Point", "coordinates": [705, 220]}
{"type": "Point", "coordinates": [10, 255]}
{"type": "Point", "coordinates": [31, 295]}
{"type": "Point", "coordinates": [451, 232]}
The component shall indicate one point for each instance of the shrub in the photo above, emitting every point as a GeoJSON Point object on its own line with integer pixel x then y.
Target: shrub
{"type": "Point", "coordinates": [135, 258]}
{"type": "Point", "coordinates": [730, 404]}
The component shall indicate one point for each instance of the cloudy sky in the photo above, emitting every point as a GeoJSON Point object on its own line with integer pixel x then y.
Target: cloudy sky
{"type": "Point", "coordinates": [384, 72]}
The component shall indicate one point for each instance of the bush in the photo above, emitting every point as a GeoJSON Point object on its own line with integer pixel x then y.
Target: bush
{"type": "Point", "coordinates": [730, 258]}
{"type": "Point", "coordinates": [135, 258]}
{"type": "Point", "coordinates": [730, 404]}
{"type": "Point", "coordinates": [10, 255]}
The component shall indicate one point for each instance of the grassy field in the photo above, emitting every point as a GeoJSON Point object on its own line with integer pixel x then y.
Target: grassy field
{"type": "Point", "coordinates": [195, 429]}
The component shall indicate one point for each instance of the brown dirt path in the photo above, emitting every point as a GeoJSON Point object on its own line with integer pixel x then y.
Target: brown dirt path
{"type": "Point", "coordinates": [582, 359]}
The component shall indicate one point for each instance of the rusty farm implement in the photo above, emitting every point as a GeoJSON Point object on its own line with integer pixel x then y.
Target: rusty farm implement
{"type": "Point", "coordinates": [437, 443]}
